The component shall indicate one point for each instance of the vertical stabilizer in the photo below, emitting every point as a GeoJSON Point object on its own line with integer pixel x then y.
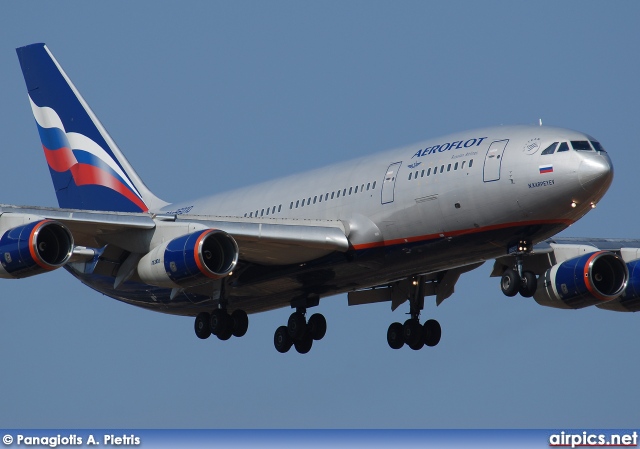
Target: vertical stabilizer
{"type": "Point", "coordinates": [87, 168]}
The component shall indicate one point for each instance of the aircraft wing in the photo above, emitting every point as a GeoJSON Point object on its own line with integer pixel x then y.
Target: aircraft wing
{"type": "Point", "coordinates": [260, 240]}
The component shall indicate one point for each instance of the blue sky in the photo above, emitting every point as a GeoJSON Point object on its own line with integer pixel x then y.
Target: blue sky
{"type": "Point", "coordinates": [208, 96]}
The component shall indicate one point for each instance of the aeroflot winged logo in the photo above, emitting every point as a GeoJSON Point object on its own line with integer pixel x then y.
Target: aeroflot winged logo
{"type": "Point", "coordinates": [88, 163]}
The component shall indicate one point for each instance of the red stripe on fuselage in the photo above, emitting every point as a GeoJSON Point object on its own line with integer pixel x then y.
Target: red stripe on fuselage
{"type": "Point", "coordinates": [459, 233]}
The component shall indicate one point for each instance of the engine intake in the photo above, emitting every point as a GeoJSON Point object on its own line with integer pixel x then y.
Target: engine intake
{"type": "Point", "coordinates": [591, 279]}
{"type": "Point", "coordinates": [34, 248]}
{"type": "Point", "coordinates": [190, 260]}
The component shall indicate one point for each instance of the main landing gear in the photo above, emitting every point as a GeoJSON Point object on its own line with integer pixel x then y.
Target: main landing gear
{"type": "Point", "coordinates": [221, 324]}
{"type": "Point", "coordinates": [515, 280]}
{"type": "Point", "coordinates": [299, 332]}
{"type": "Point", "coordinates": [415, 335]}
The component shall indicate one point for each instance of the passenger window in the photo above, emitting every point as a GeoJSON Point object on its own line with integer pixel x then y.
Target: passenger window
{"type": "Point", "coordinates": [442, 169]}
{"type": "Point", "coordinates": [563, 147]}
{"type": "Point", "coordinates": [350, 190]}
{"type": "Point", "coordinates": [471, 163]}
{"type": "Point", "coordinates": [326, 197]}
{"type": "Point", "coordinates": [267, 211]}
{"type": "Point", "coordinates": [455, 167]}
{"type": "Point", "coordinates": [273, 211]}
{"type": "Point", "coordinates": [362, 188]}
{"type": "Point", "coordinates": [428, 171]}
{"type": "Point", "coordinates": [550, 149]}
{"type": "Point", "coordinates": [315, 198]}
{"type": "Point", "coordinates": [320, 199]}
{"type": "Point", "coordinates": [262, 212]}
{"type": "Point", "coordinates": [297, 203]}
{"type": "Point", "coordinates": [356, 191]}
{"type": "Point", "coordinates": [449, 167]}
{"type": "Point", "coordinates": [374, 185]}
{"type": "Point", "coordinates": [332, 193]}
{"type": "Point", "coordinates": [250, 214]}
{"type": "Point", "coordinates": [368, 185]}
{"type": "Point", "coordinates": [416, 174]}
{"type": "Point", "coordinates": [344, 192]}
{"type": "Point", "coordinates": [290, 206]}
{"type": "Point", "coordinates": [410, 175]}
{"type": "Point", "coordinates": [338, 195]}
{"type": "Point", "coordinates": [581, 145]}
{"type": "Point", "coordinates": [462, 165]}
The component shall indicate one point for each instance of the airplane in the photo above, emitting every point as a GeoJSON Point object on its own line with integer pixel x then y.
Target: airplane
{"type": "Point", "coordinates": [396, 226]}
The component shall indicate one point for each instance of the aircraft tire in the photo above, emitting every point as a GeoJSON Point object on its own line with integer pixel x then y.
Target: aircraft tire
{"type": "Point", "coordinates": [395, 336]}
{"type": "Point", "coordinates": [529, 284]}
{"type": "Point", "coordinates": [412, 332]}
{"type": "Point", "coordinates": [202, 325]}
{"type": "Point", "coordinates": [297, 326]}
{"type": "Point", "coordinates": [510, 282]}
{"type": "Point", "coordinates": [317, 326]}
{"type": "Point", "coordinates": [304, 344]}
{"type": "Point", "coordinates": [281, 340]}
{"type": "Point", "coordinates": [431, 332]}
{"type": "Point", "coordinates": [240, 322]}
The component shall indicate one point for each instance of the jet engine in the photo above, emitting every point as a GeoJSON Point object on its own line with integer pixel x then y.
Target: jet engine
{"type": "Point", "coordinates": [629, 301]}
{"type": "Point", "coordinates": [34, 248]}
{"type": "Point", "coordinates": [190, 260]}
{"type": "Point", "coordinates": [591, 279]}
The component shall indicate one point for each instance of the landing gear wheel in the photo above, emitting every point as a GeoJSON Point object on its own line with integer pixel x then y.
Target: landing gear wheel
{"type": "Point", "coordinates": [281, 340]}
{"type": "Point", "coordinates": [431, 332]}
{"type": "Point", "coordinates": [412, 332]}
{"type": "Point", "coordinates": [202, 325]}
{"type": "Point", "coordinates": [510, 282]}
{"type": "Point", "coordinates": [418, 346]}
{"type": "Point", "coordinates": [240, 322]}
{"type": "Point", "coordinates": [221, 324]}
{"type": "Point", "coordinates": [297, 326]}
{"type": "Point", "coordinates": [317, 326]}
{"type": "Point", "coordinates": [395, 336]}
{"type": "Point", "coordinates": [304, 344]}
{"type": "Point", "coordinates": [529, 284]}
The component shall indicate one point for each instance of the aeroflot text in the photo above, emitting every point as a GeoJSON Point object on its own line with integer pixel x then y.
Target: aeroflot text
{"type": "Point", "coordinates": [450, 146]}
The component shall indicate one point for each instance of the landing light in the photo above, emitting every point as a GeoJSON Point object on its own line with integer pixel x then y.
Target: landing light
{"type": "Point", "coordinates": [573, 204]}
{"type": "Point", "coordinates": [593, 205]}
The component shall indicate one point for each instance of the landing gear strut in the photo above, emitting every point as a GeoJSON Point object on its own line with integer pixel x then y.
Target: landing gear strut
{"type": "Point", "coordinates": [299, 332]}
{"type": "Point", "coordinates": [515, 280]}
{"type": "Point", "coordinates": [416, 336]}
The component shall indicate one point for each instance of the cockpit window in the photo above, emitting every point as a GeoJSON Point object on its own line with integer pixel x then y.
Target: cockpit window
{"type": "Point", "coordinates": [563, 147]}
{"type": "Point", "coordinates": [551, 148]}
{"type": "Point", "coordinates": [597, 146]}
{"type": "Point", "coordinates": [581, 145]}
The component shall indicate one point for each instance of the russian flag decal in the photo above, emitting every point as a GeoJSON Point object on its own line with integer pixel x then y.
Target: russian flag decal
{"type": "Point", "coordinates": [546, 168]}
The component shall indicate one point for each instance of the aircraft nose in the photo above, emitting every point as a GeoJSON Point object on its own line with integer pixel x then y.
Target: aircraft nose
{"type": "Point", "coordinates": [595, 172]}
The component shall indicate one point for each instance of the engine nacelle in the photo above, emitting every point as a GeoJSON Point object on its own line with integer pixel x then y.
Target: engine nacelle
{"type": "Point", "coordinates": [34, 248]}
{"type": "Point", "coordinates": [629, 301]}
{"type": "Point", "coordinates": [190, 260]}
{"type": "Point", "coordinates": [591, 279]}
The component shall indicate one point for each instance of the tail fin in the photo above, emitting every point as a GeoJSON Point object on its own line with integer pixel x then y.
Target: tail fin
{"type": "Point", "coordinates": [87, 168]}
